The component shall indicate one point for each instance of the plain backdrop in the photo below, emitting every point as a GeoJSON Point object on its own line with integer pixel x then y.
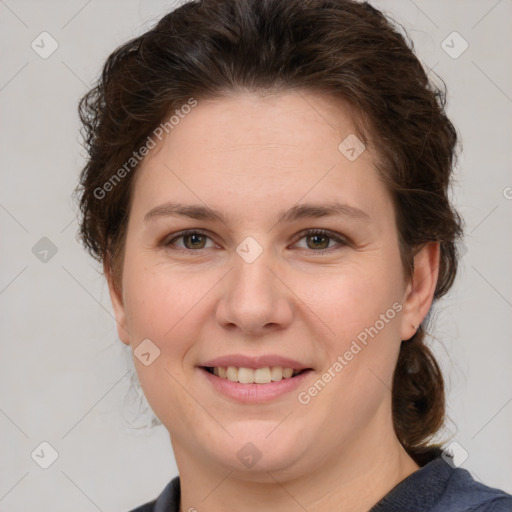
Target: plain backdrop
{"type": "Point", "coordinates": [64, 374]}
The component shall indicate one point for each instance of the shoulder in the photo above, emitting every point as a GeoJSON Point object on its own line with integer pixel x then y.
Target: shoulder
{"type": "Point", "coordinates": [148, 507]}
{"type": "Point", "coordinates": [463, 493]}
{"type": "Point", "coordinates": [495, 505]}
{"type": "Point", "coordinates": [438, 486]}
{"type": "Point", "coordinates": [168, 500]}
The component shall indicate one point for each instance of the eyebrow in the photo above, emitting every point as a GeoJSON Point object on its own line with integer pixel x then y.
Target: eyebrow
{"type": "Point", "coordinates": [297, 212]}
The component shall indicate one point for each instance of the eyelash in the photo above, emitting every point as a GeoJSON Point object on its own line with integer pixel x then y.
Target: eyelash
{"type": "Point", "coordinates": [308, 232]}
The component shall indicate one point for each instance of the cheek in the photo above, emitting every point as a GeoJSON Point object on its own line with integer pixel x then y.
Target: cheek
{"type": "Point", "coordinates": [158, 299]}
{"type": "Point", "coordinates": [354, 298]}
{"type": "Point", "coordinates": [162, 305]}
{"type": "Point", "coordinates": [361, 306]}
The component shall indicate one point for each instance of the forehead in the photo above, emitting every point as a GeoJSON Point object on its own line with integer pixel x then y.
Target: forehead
{"type": "Point", "coordinates": [260, 149]}
{"type": "Point", "coordinates": [294, 120]}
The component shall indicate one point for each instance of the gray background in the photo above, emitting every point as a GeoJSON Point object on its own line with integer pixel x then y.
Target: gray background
{"type": "Point", "coordinates": [64, 375]}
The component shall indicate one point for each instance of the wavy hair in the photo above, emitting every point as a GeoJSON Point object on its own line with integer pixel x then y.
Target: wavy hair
{"type": "Point", "coordinates": [346, 49]}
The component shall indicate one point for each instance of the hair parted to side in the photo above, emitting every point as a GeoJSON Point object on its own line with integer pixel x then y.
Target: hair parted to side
{"type": "Point", "coordinates": [346, 49]}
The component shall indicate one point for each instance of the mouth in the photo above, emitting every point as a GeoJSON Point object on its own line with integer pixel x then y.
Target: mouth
{"type": "Point", "coordinates": [264, 375]}
{"type": "Point", "coordinates": [255, 386]}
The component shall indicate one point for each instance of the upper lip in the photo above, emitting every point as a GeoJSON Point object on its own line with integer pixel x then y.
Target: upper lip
{"type": "Point", "coordinates": [254, 362]}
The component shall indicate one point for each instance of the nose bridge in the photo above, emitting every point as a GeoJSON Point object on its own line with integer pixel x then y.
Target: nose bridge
{"type": "Point", "coordinates": [253, 298]}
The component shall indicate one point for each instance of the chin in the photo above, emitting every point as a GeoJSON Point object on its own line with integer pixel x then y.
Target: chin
{"type": "Point", "coordinates": [253, 452]}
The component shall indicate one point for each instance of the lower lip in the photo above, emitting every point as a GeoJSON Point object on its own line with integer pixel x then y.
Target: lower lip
{"type": "Point", "coordinates": [255, 393]}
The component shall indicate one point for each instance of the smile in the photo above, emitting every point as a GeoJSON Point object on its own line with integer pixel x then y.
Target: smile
{"type": "Point", "coordinates": [241, 384]}
{"type": "Point", "coordinates": [243, 375]}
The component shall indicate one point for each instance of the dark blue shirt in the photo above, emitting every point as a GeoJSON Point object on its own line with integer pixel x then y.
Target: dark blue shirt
{"type": "Point", "coordinates": [435, 487]}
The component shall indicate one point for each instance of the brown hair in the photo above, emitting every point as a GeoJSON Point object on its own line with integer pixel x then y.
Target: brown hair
{"type": "Point", "coordinates": [344, 48]}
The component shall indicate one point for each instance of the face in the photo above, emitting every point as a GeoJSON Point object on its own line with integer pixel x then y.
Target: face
{"type": "Point", "coordinates": [302, 271]}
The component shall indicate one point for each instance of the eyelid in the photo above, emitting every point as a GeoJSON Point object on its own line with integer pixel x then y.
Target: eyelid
{"type": "Point", "coordinates": [180, 234]}
{"type": "Point", "coordinates": [342, 240]}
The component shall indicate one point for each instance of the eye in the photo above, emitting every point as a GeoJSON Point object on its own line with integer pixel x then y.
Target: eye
{"type": "Point", "coordinates": [192, 240]}
{"type": "Point", "coordinates": [319, 239]}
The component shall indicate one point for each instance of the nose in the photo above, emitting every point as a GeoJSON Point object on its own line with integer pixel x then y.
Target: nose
{"type": "Point", "coordinates": [255, 298]}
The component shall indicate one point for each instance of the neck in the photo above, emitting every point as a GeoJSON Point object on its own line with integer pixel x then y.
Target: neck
{"type": "Point", "coordinates": [354, 478]}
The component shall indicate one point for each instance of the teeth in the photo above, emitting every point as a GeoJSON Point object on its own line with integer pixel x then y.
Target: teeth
{"type": "Point", "coordinates": [246, 375]}
{"type": "Point", "coordinates": [259, 376]}
{"type": "Point", "coordinates": [232, 374]}
{"type": "Point", "coordinates": [287, 373]}
{"type": "Point", "coordinates": [276, 373]}
{"type": "Point", "coordinates": [262, 375]}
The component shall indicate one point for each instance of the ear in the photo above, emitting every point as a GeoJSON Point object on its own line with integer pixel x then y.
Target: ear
{"type": "Point", "coordinates": [420, 290]}
{"type": "Point", "coordinates": [118, 306]}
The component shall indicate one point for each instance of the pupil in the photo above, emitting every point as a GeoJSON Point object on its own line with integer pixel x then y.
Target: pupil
{"type": "Point", "coordinates": [194, 237]}
{"type": "Point", "coordinates": [321, 237]}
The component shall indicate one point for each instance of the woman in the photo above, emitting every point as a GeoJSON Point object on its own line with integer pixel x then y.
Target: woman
{"type": "Point", "coordinates": [267, 192]}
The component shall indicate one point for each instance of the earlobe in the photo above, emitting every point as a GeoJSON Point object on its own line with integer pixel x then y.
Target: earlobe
{"type": "Point", "coordinates": [118, 306]}
{"type": "Point", "coordinates": [420, 289]}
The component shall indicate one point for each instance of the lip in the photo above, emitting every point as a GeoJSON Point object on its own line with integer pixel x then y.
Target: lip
{"type": "Point", "coordinates": [254, 393]}
{"type": "Point", "coordinates": [255, 362]}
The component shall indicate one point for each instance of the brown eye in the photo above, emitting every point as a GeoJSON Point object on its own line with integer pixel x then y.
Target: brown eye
{"type": "Point", "coordinates": [196, 241]}
{"type": "Point", "coordinates": [319, 240]}
{"type": "Point", "coordinates": [192, 240]}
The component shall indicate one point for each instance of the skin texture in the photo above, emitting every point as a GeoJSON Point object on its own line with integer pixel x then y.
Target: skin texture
{"type": "Point", "coordinates": [251, 156]}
